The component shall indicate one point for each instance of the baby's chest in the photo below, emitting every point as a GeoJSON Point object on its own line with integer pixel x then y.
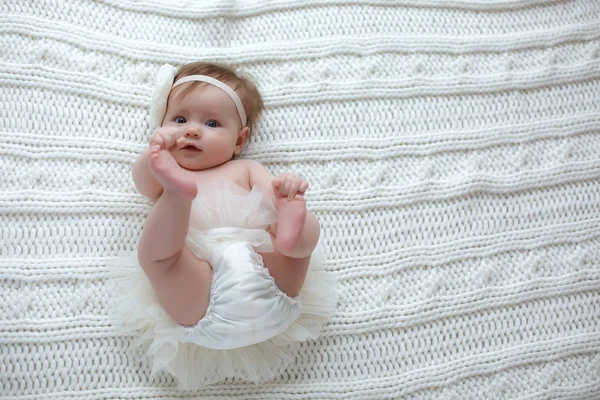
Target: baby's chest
{"type": "Point", "coordinates": [235, 171]}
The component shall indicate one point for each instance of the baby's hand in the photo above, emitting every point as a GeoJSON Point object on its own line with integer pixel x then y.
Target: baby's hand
{"type": "Point", "coordinates": [165, 137]}
{"type": "Point", "coordinates": [289, 185]}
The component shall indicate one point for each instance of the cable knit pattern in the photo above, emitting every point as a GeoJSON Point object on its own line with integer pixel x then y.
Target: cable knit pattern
{"type": "Point", "coordinates": [453, 151]}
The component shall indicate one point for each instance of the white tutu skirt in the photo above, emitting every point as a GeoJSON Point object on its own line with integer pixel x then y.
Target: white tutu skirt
{"type": "Point", "coordinates": [175, 348]}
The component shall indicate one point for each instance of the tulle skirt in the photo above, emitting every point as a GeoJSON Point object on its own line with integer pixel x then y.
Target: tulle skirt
{"type": "Point", "coordinates": [136, 311]}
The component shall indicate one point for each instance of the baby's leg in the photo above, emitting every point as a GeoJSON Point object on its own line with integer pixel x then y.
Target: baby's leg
{"type": "Point", "coordinates": [287, 272]}
{"type": "Point", "coordinates": [164, 234]}
{"type": "Point", "coordinates": [294, 236]}
{"type": "Point", "coordinates": [297, 230]}
{"type": "Point", "coordinates": [181, 281]}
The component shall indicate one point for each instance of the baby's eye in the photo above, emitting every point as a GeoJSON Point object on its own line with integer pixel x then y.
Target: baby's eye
{"type": "Point", "coordinates": [180, 120]}
{"type": "Point", "coordinates": [212, 123]}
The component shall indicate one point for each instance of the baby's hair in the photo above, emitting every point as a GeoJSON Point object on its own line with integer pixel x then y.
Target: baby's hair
{"type": "Point", "coordinates": [243, 85]}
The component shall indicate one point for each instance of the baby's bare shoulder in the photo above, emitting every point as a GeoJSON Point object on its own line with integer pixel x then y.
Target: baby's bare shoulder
{"type": "Point", "coordinates": [256, 172]}
{"type": "Point", "coordinates": [246, 165]}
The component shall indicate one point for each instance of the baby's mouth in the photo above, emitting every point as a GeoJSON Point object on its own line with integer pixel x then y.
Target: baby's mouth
{"type": "Point", "coordinates": [190, 147]}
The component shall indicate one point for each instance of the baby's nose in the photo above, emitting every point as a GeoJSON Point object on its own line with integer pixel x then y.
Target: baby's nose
{"type": "Point", "coordinates": [193, 133]}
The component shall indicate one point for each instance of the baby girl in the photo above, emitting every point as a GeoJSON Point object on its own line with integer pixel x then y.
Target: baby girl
{"type": "Point", "coordinates": [227, 246]}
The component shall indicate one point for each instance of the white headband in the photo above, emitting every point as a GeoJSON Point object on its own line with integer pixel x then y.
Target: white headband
{"type": "Point", "coordinates": [164, 84]}
{"type": "Point", "coordinates": [220, 85]}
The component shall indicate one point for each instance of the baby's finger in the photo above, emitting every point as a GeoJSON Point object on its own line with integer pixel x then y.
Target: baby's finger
{"type": "Point", "coordinates": [303, 187]}
{"type": "Point", "coordinates": [286, 187]}
{"type": "Point", "coordinates": [169, 141]}
{"type": "Point", "coordinates": [283, 176]}
{"type": "Point", "coordinates": [294, 189]}
{"type": "Point", "coordinates": [156, 140]}
{"type": "Point", "coordinates": [276, 184]}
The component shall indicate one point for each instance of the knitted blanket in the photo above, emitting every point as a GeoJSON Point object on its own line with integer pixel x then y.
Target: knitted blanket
{"type": "Point", "coordinates": [453, 152]}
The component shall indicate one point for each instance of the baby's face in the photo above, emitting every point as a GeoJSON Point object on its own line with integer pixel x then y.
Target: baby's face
{"type": "Point", "coordinates": [209, 123]}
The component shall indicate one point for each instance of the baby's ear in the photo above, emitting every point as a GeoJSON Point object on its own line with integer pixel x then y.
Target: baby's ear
{"type": "Point", "coordinates": [241, 139]}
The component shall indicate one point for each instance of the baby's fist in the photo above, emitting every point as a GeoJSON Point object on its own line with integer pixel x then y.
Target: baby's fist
{"type": "Point", "coordinates": [165, 137]}
{"type": "Point", "coordinates": [289, 185]}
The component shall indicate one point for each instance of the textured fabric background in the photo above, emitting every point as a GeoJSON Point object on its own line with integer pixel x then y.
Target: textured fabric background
{"type": "Point", "coordinates": [453, 151]}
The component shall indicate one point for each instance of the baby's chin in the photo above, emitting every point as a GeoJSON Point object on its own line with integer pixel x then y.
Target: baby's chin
{"type": "Point", "coordinates": [189, 163]}
{"type": "Point", "coordinates": [195, 163]}
{"type": "Point", "coordinates": [191, 166]}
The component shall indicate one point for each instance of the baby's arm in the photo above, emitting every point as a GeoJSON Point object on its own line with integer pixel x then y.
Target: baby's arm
{"type": "Point", "coordinates": [144, 180]}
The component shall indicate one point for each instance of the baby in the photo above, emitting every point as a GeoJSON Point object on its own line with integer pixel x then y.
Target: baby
{"type": "Point", "coordinates": [231, 252]}
{"type": "Point", "coordinates": [203, 129]}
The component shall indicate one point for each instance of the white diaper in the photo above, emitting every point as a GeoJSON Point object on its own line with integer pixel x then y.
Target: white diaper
{"type": "Point", "coordinates": [246, 307]}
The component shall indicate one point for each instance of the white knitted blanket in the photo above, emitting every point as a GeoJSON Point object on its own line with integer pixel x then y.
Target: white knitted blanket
{"type": "Point", "coordinates": [453, 151]}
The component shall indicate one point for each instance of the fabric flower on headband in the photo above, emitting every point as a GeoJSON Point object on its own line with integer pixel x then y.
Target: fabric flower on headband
{"type": "Point", "coordinates": [162, 88]}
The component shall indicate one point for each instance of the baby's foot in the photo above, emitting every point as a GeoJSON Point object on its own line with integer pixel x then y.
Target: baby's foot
{"type": "Point", "coordinates": [290, 223]}
{"type": "Point", "coordinates": [172, 177]}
